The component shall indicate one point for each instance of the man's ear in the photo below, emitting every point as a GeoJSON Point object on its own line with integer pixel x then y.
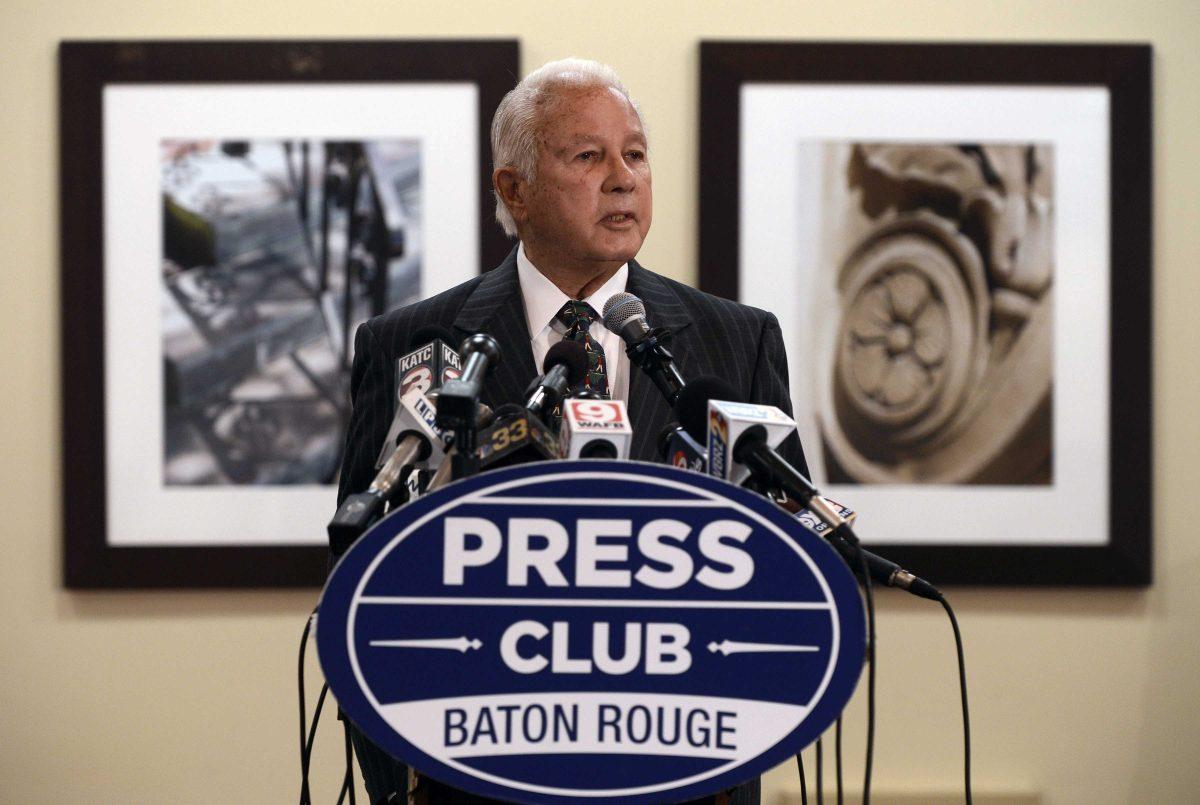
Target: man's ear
{"type": "Point", "coordinates": [511, 189]}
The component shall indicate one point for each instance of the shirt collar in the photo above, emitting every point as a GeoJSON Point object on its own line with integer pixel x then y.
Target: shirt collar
{"type": "Point", "coordinates": [543, 299]}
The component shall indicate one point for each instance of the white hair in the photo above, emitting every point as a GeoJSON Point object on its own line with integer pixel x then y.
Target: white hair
{"type": "Point", "coordinates": [515, 126]}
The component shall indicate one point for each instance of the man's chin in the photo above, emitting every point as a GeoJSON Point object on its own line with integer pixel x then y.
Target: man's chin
{"type": "Point", "coordinates": [619, 252]}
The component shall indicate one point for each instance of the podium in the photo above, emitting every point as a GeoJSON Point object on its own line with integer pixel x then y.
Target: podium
{"type": "Point", "coordinates": [600, 630]}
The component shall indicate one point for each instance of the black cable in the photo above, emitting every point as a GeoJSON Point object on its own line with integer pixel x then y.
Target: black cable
{"type": "Point", "coordinates": [348, 781]}
{"type": "Point", "coordinates": [869, 593]}
{"type": "Point", "coordinates": [349, 762]}
{"type": "Point", "coordinates": [305, 795]}
{"type": "Point", "coordinates": [966, 713]}
{"type": "Point", "coordinates": [306, 756]}
{"type": "Point", "coordinates": [837, 751]}
{"type": "Point", "coordinates": [820, 771]}
{"type": "Point", "coordinates": [312, 731]}
{"type": "Point", "coordinates": [803, 783]}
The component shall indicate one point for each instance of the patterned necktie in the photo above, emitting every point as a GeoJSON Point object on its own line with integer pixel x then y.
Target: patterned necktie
{"type": "Point", "coordinates": [578, 317]}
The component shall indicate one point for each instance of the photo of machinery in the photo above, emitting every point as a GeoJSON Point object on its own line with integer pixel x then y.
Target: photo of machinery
{"type": "Point", "coordinates": [272, 253]}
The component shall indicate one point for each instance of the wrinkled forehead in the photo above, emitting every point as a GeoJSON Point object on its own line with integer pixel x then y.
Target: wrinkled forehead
{"type": "Point", "coordinates": [569, 112]}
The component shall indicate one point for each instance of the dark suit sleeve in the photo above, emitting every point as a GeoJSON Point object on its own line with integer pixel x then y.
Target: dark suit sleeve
{"type": "Point", "coordinates": [769, 386]}
{"type": "Point", "coordinates": [371, 401]}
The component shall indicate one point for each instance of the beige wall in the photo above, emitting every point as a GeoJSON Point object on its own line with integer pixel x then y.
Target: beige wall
{"type": "Point", "coordinates": [1078, 696]}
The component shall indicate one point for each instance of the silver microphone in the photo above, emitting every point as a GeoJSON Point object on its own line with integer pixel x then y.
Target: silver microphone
{"type": "Point", "coordinates": [646, 347]}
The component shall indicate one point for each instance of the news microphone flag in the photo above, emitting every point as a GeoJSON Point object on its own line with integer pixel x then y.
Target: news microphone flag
{"type": "Point", "coordinates": [595, 429]}
{"type": "Point", "coordinates": [424, 369]}
{"type": "Point", "coordinates": [729, 420]}
{"type": "Point", "coordinates": [429, 365]}
{"type": "Point", "coordinates": [416, 414]}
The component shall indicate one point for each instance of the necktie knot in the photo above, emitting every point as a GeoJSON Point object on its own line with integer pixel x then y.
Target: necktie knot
{"type": "Point", "coordinates": [577, 315]}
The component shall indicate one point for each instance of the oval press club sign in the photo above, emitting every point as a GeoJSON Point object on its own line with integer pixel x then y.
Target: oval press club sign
{"type": "Point", "coordinates": [594, 630]}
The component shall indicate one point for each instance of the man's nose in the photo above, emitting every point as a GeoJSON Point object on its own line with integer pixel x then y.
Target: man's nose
{"type": "Point", "coordinates": [621, 177]}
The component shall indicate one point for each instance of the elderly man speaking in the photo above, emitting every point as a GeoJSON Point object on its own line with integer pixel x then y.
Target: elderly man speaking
{"type": "Point", "coordinates": [573, 184]}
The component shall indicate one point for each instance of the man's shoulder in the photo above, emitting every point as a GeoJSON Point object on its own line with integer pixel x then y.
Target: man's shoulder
{"type": "Point", "coordinates": [705, 306]}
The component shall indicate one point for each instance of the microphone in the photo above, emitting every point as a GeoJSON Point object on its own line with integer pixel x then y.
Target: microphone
{"type": "Point", "coordinates": [419, 442]}
{"type": "Point", "coordinates": [710, 410]}
{"type": "Point", "coordinates": [429, 363]}
{"type": "Point", "coordinates": [484, 416]}
{"type": "Point", "coordinates": [456, 400]}
{"type": "Point", "coordinates": [594, 429]}
{"type": "Point", "coordinates": [517, 436]}
{"type": "Point", "coordinates": [678, 448]}
{"type": "Point", "coordinates": [458, 397]}
{"type": "Point", "coordinates": [754, 431]}
{"type": "Point", "coordinates": [431, 360]}
{"type": "Point", "coordinates": [691, 407]}
{"type": "Point", "coordinates": [565, 365]}
{"type": "Point", "coordinates": [625, 315]}
{"type": "Point", "coordinates": [883, 571]}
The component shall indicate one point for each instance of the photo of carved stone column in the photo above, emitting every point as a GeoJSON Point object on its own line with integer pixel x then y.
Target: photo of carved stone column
{"type": "Point", "coordinates": [940, 354]}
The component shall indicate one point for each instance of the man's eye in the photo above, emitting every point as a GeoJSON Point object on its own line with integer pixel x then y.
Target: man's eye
{"type": "Point", "coordinates": [637, 156]}
{"type": "Point", "coordinates": [586, 156]}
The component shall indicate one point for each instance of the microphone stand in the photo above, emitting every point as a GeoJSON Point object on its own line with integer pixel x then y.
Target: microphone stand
{"type": "Point", "coordinates": [465, 461]}
{"type": "Point", "coordinates": [652, 355]}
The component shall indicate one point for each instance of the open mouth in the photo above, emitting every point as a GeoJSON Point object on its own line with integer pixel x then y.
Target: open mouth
{"type": "Point", "coordinates": [617, 218]}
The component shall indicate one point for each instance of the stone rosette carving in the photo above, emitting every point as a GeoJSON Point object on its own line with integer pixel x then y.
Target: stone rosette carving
{"type": "Point", "coordinates": [941, 367]}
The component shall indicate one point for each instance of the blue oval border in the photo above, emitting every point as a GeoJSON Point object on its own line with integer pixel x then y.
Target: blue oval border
{"type": "Point", "coordinates": [338, 595]}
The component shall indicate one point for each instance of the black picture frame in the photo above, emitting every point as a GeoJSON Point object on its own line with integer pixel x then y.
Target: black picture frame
{"type": "Point", "coordinates": [86, 68]}
{"type": "Point", "coordinates": [1125, 71]}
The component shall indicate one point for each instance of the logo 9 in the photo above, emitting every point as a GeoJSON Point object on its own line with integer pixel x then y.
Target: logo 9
{"type": "Point", "coordinates": [596, 411]}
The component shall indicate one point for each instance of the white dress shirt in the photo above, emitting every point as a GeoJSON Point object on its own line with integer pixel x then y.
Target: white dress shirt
{"type": "Point", "coordinates": [543, 301]}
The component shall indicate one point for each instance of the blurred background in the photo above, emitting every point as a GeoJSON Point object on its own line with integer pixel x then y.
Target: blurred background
{"type": "Point", "coordinates": [273, 253]}
{"type": "Point", "coordinates": [1078, 696]}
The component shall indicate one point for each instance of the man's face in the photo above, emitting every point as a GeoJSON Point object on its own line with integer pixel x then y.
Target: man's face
{"type": "Point", "coordinates": [590, 200]}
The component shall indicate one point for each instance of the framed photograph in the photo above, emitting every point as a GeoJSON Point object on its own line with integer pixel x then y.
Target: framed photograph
{"type": "Point", "coordinates": [231, 211]}
{"type": "Point", "coordinates": [956, 240]}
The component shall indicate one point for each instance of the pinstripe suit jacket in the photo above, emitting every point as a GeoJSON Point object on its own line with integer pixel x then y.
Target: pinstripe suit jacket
{"type": "Point", "coordinates": [712, 336]}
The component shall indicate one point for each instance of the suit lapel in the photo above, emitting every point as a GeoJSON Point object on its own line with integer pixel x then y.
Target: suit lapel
{"type": "Point", "coordinates": [496, 307]}
{"type": "Point", "coordinates": [648, 410]}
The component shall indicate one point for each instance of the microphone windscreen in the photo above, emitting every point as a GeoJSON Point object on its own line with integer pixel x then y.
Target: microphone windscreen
{"type": "Point", "coordinates": [620, 308]}
{"type": "Point", "coordinates": [692, 404]}
{"type": "Point", "coordinates": [571, 354]}
{"type": "Point", "coordinates": [483, 344]}
{"type": "Point", "coordinates": [430, 332]}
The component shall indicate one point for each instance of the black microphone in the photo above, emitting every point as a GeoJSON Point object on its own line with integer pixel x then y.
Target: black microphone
{"type": "Point", "coordinates": [565, 365]}
{"type": "Point", "coordinates": [772, 470]}
{"type": "Point", "coordinates": [751, 448]}
{"type": "Point", "coordinates": [625, 315]}
{"type": "Point", "coordinates": [691, 406]}
{"type": "Point", "coordinates": [456, 398]}
{"type": "Point", "coordinates": [484, 416]}
{"type": "Point", "coordinates": [677, 448]}
{"type": "Point", "coordinates": [516, 436]}
{"type": "Point", "coordinates": [883, 571]}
